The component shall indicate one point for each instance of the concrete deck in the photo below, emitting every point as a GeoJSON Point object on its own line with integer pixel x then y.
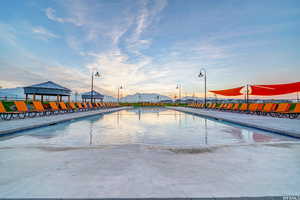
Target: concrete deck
{"type": "Point", "coordinates": [12, 126]}
{"type": "Point", "coordinates": [37, 170]}
{"type": "Point", "coordinates": [289, 127]}
{"type": "Point", "coordinates": [139, 171]}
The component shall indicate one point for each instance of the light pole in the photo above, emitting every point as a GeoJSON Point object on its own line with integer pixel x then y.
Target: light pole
{"type": "Point", "coordinates": [97, 74]}
{"type": "Point", "coordinates": [119, 88]}
{"type": "Point", "coordinates": [179, 91]}
{"type": "Point", "coordinates": [202, 73]}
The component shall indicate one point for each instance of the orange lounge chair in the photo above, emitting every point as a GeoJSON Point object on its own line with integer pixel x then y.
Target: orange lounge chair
{"type": "Point", "coordinates": [213, 106]}
{"type": "Point", "coordinates": [295, 112]}
{"type": "Point", "coordinates": [268, 108]}
{"type": "Point", "coordinates": [259, 108]}
{"type": "Point", "coordinates": [208, 105]}
{"type": "Point", "coordinates": [102, 105]}
{"type": "Point", "coordinates": [7, 115]}
{"type": "Point", "coordinates": [244, 107]}
{"type": "Point", "coordinates": [224, 106]}
{"type": "Point", "coordinates": [54, 107]}
{"type": "Point", "coordinates": [64, 107]}
{"type": "Point", "coordinates": [38, 106]}
{"type": "Point", "coordinates": [72, 106]}
{"type": "Point", "coordinates": [229, 106]}
{"type": "Point", "coordinates": [23, 110]}
{"type": "Point", "coordinates": [220, 106]}
{"type": "Point", "coordinates": [79, 105]}
{"type": "Point", "coordinates": [90, 106]}
{"type": "Point", "coordinates": [252, 108]}
{"type": "Point", "coordinates": [281, 109]}
{"type": "Point", "coordinates": [235, 107]}
{"type": "Point", "coordinates": [85, 106]}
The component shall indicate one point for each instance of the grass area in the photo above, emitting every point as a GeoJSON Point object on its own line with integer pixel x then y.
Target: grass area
{"type": "Point", "coordinates": [141, 104]}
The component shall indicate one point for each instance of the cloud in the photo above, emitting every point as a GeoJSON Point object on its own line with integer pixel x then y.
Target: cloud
{"type": "Point", "coordinates": [41, 31]}
{"type": "Point", "coordinates": [147, 15]}
{"type": "Point", "coordinates": [50, 13]}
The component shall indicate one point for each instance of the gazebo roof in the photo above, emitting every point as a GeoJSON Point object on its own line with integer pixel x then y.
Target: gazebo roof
{"type": "Point", "coordinates": [96, 95]}
{"type": "Point", "coordinates": [47, 88]}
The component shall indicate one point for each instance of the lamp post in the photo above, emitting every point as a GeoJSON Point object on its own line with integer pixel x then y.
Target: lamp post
{"type": "Point", "coordinates": [179, 91]}
{"type": "Point", "coordinates": [201, 74]}
{"type": "Point", "coordinates": [119, 88]}
{"type": "Point", "coordinates": [97, 74]}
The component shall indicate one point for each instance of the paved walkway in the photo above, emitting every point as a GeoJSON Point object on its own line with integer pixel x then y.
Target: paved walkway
{"type": "Point", "coordinates": [290, 127]}
{"type": "Point", "coordinates": [7, 127]}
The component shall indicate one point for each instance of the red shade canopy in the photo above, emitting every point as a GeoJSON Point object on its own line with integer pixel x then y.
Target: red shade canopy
{"type": "Point", "coordinates": [278, 89]}
{"type": "Point", "coordinates": [229, 92]}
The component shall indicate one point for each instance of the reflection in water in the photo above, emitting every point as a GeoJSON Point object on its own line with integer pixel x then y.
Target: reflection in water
{"type": "Point", "coordinates": [155, 126]}
{"type": "Point", "coordinates": [205, 129]}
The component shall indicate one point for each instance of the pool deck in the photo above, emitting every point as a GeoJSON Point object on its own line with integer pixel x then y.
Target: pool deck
{"type": "Point", "coordinates": [283, 126]}
{"type": "Point", "coordinates": [36, 170]}
{"type": "Point", "coordinates": [140, 171]}
{"type": "Point", "coordinates": [12, 126]}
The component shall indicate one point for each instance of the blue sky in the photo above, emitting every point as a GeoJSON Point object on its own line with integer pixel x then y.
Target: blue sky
{"type": "Point", "coordinates": [149, 46]}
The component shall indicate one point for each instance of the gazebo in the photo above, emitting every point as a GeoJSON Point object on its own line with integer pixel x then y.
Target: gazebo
{"type": "Point", "coordinates": [48, 88]}
{"type": "Point", "coordinates": [96, 95]}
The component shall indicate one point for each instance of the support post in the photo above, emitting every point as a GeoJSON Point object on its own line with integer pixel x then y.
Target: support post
{"type": "Point", "coordinates": [42, 98]}
{"type": "Point", "coordinates": [92, 87]}
{"type": "Point", "coordinates": [118, 94]}
{"type": "Point", "coordinates": [247, 96]}
{"type": "Point", "coordinates": [205, 90]}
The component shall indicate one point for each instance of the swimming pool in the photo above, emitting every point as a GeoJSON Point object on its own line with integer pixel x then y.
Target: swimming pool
{"type": "Point", "coordinates": [153, 126]}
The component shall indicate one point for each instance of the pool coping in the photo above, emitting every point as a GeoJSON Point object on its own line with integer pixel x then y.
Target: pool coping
{"type": "Point", "coordinates": [52, 122]}
{"type": "Point", "coordinates": [250, 125]}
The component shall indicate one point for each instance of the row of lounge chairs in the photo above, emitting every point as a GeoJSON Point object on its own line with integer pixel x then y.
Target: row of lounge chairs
{"type": "Point", "coordinates": [271, 109]}
{"type": "Point", "coordinates": [37, 108]}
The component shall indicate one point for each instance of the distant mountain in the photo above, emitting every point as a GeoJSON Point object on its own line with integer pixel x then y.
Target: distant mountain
{"type": "Point", "coordinates": [145, 97]}
{"type": "Point", "coordinates": [193, 98]}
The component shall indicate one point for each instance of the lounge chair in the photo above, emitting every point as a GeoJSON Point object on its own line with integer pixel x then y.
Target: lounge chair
{"type": "Point", "coordinates": [64, 108]}
{"type": "Point", "coordinates": [228, 107]}
{"type": "Point", "coordinates": [72, 106]}
{"type": "Point", "coordinates": [85, 106]}
{"type": "Point", "coordinates": [235, 107]}
{"type": "Point", "coordinates": [23, 110]}
{"type": "Point", "coordinates": [243, 108]}
{"type": "Point", "coordinates": [90, 105]}
{"type": "Point", "coordinates": [213, 106]}
{"type": "Point", "coordinates": [268, 108]}
{"type": "Point", "coordinates": [80, 107]}
{"type": "Point", "coordinates": [252, 108]}
{"type": "Point", "coordinates": [54, 108]}
{"type": "Point", "coordinates": [295, 112]}
{"type": "Point", "coordinates": [38, 106]}
{"type": "Point", "coordinates": [7, 115]}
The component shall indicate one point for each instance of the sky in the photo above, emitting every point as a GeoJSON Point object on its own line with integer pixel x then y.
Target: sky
{"type": "Point", "coordinates": [149, 46]}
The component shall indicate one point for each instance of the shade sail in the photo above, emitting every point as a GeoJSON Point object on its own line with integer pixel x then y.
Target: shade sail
{"type": "Point", "coordinates": [229, 92]}
{"type": "Point", "coordinates": [277, 89]}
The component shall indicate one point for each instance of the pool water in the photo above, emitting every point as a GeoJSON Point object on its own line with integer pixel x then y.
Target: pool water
{"type": "Point", "coordinates": [153, 126]}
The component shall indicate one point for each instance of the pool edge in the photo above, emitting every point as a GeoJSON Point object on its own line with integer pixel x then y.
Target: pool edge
{"type": "Point", "coordinates": [26, 128]}
{"type": "Point", "coordinates": [263, 128]}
